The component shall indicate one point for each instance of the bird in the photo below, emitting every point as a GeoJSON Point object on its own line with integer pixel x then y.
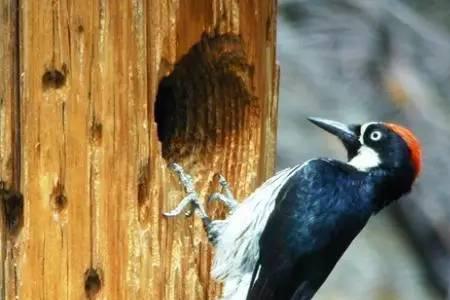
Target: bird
{"type": "Point", "coordinates": [284, 240]}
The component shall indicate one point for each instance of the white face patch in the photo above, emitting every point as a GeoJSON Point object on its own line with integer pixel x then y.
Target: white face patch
{"type": "Point", "coordinates": [366, 158]}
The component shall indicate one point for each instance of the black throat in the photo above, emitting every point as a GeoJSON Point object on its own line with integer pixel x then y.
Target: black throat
{"type": "Point", "coordinates": [386, 185]}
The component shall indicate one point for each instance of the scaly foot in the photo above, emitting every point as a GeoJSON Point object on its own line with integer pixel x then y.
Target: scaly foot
{"type": "Point", "coordinates": [226, 197]}
{"type": "Point", "coordinates": [191, 202]}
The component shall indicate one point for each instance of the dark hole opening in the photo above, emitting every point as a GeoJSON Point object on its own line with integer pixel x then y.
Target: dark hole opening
{"type": "Point", "coordinates": [61, 202]}
{"type": "Point", "coordinates": [54, 78]}
{"type": "Point", "coordinates": [206, 100]}
{"type": "Point", "coordinates": [58, 197]}
{"type": "Point", "coordinates": [12, 202]}
{"type": "Point", "coordinates": [166, 110]}
{"type": "Point", "coordinates": [92, 282]}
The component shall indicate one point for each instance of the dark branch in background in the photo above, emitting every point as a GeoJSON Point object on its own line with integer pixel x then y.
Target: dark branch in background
{"type": "Point", "coordinates": [431, 246]}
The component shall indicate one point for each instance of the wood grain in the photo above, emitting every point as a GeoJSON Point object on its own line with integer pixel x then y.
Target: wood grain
{"type": "Point", "coordinates": [11, 202]}
{"type": "Point", "coordinates": [110, 92]}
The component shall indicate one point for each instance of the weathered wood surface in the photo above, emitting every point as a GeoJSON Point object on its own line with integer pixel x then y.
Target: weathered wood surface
{"type": "Point", "coordinates": [9, 147]}
{"type": "Point", "coordinates": [96, 98]}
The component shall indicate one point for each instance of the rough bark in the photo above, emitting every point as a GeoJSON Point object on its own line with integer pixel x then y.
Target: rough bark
{"type": "Point", "coordinates": [109, 92]}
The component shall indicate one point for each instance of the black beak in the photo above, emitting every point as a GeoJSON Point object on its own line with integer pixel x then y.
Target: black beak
{"type": "Point", "coordinates": [348, 134]}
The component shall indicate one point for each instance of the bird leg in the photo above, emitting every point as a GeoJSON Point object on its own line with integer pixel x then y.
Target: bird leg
{"type": "Point", "coordinates": [191, 202]}
{"type": "Point", "coordinates": [226, 197]}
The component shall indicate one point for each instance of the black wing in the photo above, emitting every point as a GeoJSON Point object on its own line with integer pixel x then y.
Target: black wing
{"type": "Point", "coordinates": [299, 245]}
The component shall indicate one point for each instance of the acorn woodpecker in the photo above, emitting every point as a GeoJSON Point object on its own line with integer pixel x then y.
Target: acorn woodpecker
{"type": "Point", "coordinates": [283, 241]}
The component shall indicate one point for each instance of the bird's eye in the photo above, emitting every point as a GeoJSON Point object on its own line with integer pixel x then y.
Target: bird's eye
{"type": "Point", "coordinates": [376, 135]}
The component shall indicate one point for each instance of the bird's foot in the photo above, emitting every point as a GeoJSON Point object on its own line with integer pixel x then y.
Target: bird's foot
{"type": "Point", "coordinates": [226, 197]}
{"type": "Point", "coordinates": [191, 202]}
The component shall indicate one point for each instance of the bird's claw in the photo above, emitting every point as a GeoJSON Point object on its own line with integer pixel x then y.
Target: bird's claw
{"type": "Point", "coordinates": [185, 205]}
{"type": "Point", "coordinates": [185, 178]}
{"type": "Point", "coordinates": [226, 197]}
{"type": "Point", "coordinates": [190, 203]}
{"type": "Point", "coordinates": [189, 212]}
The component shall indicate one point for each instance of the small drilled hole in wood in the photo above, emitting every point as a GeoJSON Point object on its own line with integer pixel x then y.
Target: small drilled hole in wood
{"type": "Point", "coordinates": [58, 197]}
{"type": "Point", "coordinates": [12, 202]}
{"type": "Point", "coordinates": [96, 132]}
{"type": "Point", "coordinates": [206, 103]}
{"type": "Point", "coordinates": [143, 191]}
{"type": "Point", "coordinates": [61, 202]}
{"type": "Point", "coordinates": [54, 78]}
{"type": "Point", "coordinates": [92, 282]}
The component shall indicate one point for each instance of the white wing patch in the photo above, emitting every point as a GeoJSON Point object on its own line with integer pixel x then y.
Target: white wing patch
{"type": "Point", "coordinates": [237, 247]}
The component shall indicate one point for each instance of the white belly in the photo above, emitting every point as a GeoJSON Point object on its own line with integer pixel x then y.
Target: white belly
{"type": "Point", "coordinates": [237, 247]}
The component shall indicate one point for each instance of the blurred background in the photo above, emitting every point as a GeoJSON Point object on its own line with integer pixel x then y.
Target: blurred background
{"type": "Point", "coordinates": [362, 60]}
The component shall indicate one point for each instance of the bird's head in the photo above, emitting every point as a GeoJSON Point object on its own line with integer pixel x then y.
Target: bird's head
{"type": "Point", "coordinates": [378, 146]}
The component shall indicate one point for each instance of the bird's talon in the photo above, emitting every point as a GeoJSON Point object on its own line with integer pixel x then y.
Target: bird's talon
{"type": "Point", "coordinates": [222, 181]}
{"type": "Point", "coordinates": [188, 213]}
{"type": "Point", "coordinates": [170, 214]}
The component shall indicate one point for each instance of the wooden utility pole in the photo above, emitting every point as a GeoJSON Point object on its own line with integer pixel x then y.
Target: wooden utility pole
{"type": "Point", "coordinates": [96, 97]}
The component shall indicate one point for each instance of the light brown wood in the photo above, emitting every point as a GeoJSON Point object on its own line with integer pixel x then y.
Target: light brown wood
{"type": "Point", "coordinates": [110, 92]}
{"type": "Point", "coordinates": [11, 203]}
